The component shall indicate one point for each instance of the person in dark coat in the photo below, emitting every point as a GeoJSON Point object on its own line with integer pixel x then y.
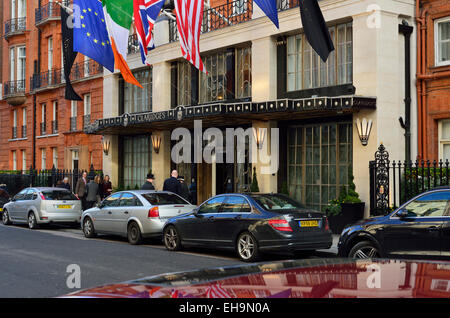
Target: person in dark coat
{"type": "Point", "coordinates": [92, 191]}
{"type": "Point", "coordinates": [185, 193]}
{"type": "Point", "coordinates": [148, 185]}
{"type": "Point", "coordinates": [172, 184]}
{"type": "Point", "coordinates": [107, 187]}
{"type": "Point", "coordinates": [193, 191]}
{"type": "Point", "coordinates": [65, 184]}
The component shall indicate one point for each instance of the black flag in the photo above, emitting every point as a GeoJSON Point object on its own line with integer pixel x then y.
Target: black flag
{"type": "Point", "coordinates": [316, 31]}
{"type": "Point", "coordinates": [68, 54]}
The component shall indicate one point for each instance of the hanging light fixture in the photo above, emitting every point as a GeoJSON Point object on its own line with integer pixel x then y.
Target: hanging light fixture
{"type": "Point", "coordinates": [105, 145]}
{"type": "Point", "coordinates": [156, 142]}
{"type": "Point", "coordinates": [364, 127]}
{"type": "Point", "coordinates": [260, 135]}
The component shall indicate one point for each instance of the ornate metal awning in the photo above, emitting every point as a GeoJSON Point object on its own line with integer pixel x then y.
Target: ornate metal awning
{"type": "Point", "coordinates": [226, 114]}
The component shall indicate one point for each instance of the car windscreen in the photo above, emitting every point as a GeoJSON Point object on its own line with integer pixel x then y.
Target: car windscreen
{"type": "Point", "coordinates": [163, 199]}
{"type": "Point", "coordinates": [277, 202]}
{"type": "Point", "coordinates": [58, 195]}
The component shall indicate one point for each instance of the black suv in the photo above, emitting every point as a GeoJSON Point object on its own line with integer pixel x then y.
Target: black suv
{"type": "Point", "coordinates": [419, 229]}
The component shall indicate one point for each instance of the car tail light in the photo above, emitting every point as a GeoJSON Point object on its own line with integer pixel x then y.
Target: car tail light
{"type": "Point", "coordinates": [153, 212]}
{"type": "Point", "coordinates": [280, 225]}
{"type": "Point", "coordinates": [327, 225]}
{"type": "Point", "coordinates": [42, 196]}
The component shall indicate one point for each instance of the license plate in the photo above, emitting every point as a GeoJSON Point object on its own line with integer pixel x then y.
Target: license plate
{"type": "Point", "coordinates": [64, 206]}
{"type": "Point", "coordinates": [1, 209]}
{"type": "Point", "coordinates": [314, 223]}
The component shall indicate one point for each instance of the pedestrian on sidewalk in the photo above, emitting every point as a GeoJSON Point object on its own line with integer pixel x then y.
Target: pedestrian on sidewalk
{"type": "Point", "coordinates": [185, 193]}
{"type": "Point", "coordinates": [172, 184]}
{"type": "Point", "coordinates": [148, 184]}
{"type": "Point", "coordinates": [80, 189]}
{"type": "Point", "coordinates": [92, 191]}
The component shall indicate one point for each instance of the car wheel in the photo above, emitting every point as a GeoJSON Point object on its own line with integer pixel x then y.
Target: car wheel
{"type": "Point", "coordinates": [88, 228]}
{"type": "Point", "coordinates": [172, 239]}
{"type": "Point", "coordinates": [32, 221]}
{"type": "Point", "coordinates": [5, 218]}
{"type": "Point", "coordinates": [134, 234]}
{"type": "Point", "coordinates": [247, 247]}
{"type": "Point", "coordinates": [365, 249]}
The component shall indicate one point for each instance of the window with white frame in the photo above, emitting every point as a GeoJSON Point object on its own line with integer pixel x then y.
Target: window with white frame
{"type": "Point", "coordinates": [50, 52]}
{"type": "Point", "coordinates": [21, 63]}
{"type": "Point", "coordinates": [442, 41]}
{"type": "Point", "coordinates": [12, 63]}
{"type": "Point", "coordinates": [306, 70]}
{"type": "Point", "coordinates": [55, 157]}
{"type": "Point", "coordinates": [24, 160]}
{"type": "Point", "coordinates": [87, 104]}
{"type": "Point", "coordinates": [43, 159]}
{"type": "Point", "coordinates": [444, 139]}
{"type": "Point", "coordinates": [15, 118]}
{"type": "Point", "coordinates": [14, 160]}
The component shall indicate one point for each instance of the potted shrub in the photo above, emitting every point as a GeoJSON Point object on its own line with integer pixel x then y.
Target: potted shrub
{"type": "Point", "coordinates": [346, 209]}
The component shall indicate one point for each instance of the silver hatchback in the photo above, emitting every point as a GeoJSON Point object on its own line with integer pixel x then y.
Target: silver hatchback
{"type": "Point", "coordinates": [134, 214]}
{"type": "Point", "coordinates": [42, 206]}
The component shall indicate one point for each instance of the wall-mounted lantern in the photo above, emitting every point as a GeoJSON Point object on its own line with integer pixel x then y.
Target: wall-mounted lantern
{"type": "Point", "coordinates": [364, 127]}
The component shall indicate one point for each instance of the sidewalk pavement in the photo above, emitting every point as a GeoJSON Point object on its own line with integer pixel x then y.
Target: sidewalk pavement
{"type": "Point", "coordinates": [333, 249]}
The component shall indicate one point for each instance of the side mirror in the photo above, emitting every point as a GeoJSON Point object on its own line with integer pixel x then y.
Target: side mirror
{"type": "Point", "coordinates": [402, 214]}
{"type": "Point", "coordinates": [100, 205]}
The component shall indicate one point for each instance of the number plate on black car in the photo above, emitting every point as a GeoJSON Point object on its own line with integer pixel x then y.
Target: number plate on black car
{"type": "Point", "coordinates": [312, 223]}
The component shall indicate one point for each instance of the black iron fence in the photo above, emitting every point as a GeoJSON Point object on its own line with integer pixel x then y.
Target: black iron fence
{"type": "Point", "coordinates": [14, 87]}
{"type": "Point", "coordinates": [47, 11]}
{"type": "Point", "coordinates": [15, 181]}
{"type": "Point", "coordinates": [393, 183]}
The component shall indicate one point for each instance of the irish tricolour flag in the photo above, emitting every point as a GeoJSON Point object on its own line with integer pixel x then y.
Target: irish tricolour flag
{"type": "Point", "coordinates": [118, 16]}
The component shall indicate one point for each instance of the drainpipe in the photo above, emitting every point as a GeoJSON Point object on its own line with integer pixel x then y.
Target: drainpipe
{"type": "Point", "coordinates": [406, 30]}
{"type": "Point", "coordinates": [34, 94]}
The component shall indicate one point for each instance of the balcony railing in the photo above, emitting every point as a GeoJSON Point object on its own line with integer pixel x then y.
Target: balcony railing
{"type": "Point", "coordinates": [287, 4]}
{"type": "Point", "coordinates": [13, 88]}
{"type": "Point", "coordinates": [86, 120]}
{"type": "Point", "coordinates": [56, 77]}
{"type": "Point", "coordinates": [24, 131]}
{"type": "Point", "coordinates": [73, 123]}
{"type": "Point", "coordinates": [43, 129]}
{"type": "Point", "coordinates": [54, 126]}
{"type": "Point", "coordinates": [15, 26]}
{"type": "Point", "coordinates": [47, 12]}
{"type": "Point", "coordinates": [219, 17]}
{"type": "Point", "coordinates": [14, 132]}
{"type": "Point", "coordinates": [133, 44]}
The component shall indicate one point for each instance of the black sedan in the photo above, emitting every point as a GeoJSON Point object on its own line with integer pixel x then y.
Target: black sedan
{"type": "Point", "coordinates": [250, 224]}
{"type": "Point", "coordinates": [419, 229]}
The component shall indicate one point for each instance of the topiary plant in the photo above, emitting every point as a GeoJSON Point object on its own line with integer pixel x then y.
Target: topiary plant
{"type": "Point", "coordinates": [254, 187]}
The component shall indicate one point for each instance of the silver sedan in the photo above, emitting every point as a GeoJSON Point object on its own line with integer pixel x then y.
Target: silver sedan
{"type": "Point", "coordinates": [41, 206]}
{"type": "Point", "coordinates": [134, 214]}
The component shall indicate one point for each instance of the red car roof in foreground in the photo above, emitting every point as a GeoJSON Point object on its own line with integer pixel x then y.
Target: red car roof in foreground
{"type": "Point", "coordinates": [317, 278]}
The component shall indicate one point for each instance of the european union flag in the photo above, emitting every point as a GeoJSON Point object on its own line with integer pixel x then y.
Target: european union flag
{"type": "Point", "coordinates": [90, 36]}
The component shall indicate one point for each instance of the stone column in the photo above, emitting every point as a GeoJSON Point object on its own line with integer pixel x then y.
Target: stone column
{"type": "Point", "coordinates": [264, 69]}
{"type": "Point", "coordinates": [111, 109]}
{"type": "Point", "coordinates": [161, 161]}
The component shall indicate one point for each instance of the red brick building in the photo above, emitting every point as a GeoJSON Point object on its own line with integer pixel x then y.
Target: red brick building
{"type": "Point", "coordinates": [433, 78]}
{"type": "Point", "coordinates": [39, 126]}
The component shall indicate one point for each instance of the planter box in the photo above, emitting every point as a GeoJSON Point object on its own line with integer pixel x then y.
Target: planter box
{"type": "Point", "coordinates": [351, 213]}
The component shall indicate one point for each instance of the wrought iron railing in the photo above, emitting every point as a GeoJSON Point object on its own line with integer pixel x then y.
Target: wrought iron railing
{"type": "Point", "coordinates": [133, 44]}
{"type": "Point", "coordinates": [43, 129]}
{"type": "Point", "coordinates": [13, 88]}
{"type": "Point", "coordinates": [55, 76]}
{"type": "Point", "coordinates": [393, 183]}
{"type": "Point", "coordinates": [14, 132]}
{"type": "Point", "coordinates": [24, 131]}
{"type": "Point", "coordinates": [287, 4]}
{"type": "Point", "coordinates": [47, 11]}
{"type": "Point", "coordinates": [86, 120]}
{"type": "Point", "coordinates": [15, 25]}
{"type": "Point", "coordinates": [219, 17]}
{"type": "Point", "coordinates": [73, 123]}
{"type": "Point", "coordinates": [54, 126]}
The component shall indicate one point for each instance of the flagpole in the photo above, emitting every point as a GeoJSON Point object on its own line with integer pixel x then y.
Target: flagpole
{"type": "Point", "coordinates": [68, 10]}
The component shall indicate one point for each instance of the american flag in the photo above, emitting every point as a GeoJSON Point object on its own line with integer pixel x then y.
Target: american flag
{"type": "Point", "coordinates": [216, 291]}
{"type": "Point", "coordinates": [189, 22]}
{"type": "Point", "coordinates": [145, 14]}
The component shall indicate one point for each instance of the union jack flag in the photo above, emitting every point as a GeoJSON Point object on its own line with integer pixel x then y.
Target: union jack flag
{"type": "Point", "coordinates": [145, 14]}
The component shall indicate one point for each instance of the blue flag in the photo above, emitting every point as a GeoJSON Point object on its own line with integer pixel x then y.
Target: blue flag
{"type": "Point", "coordinates": [270, 9]}
{"type": "Point", "coordinates": [90, 36]}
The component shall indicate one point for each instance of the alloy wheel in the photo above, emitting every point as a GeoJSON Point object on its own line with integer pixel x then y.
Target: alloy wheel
{"type": "Point", "coordinates": [32, 221]}
{"type": "Point", "coordinates": [88, 228]}
{"type": "Point", "coordinates": [366, 252]}
{"type": "Point", "coordinates": [5, 218]}
{"type": "Point", "coordinates": [246, 246]}
{"type": "Point", "coordinates": [171, 239]}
